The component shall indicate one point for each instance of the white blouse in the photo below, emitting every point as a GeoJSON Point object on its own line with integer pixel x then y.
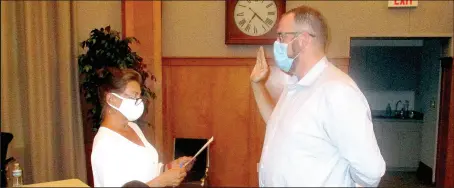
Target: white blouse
{"type": "Point", "coordinates": [116, 160]}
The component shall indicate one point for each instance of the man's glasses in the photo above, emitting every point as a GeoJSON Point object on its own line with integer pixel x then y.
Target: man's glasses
{"type": "Point", "coordinates": [282, 35]}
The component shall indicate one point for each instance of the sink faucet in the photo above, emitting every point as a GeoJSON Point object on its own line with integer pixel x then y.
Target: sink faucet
{"type": "Point", "coordinates": [397, 104]}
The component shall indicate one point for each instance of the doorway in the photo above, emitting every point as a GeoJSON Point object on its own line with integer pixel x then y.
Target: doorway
{"type": "Point", "coordinates": [404, 74]}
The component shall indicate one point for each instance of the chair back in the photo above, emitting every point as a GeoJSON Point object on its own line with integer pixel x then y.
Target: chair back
{"type": "Point", "coordinates": [6, 139]}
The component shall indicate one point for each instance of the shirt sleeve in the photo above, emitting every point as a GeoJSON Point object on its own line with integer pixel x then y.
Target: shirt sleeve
{"type": "Point", "coordinates": [109, 166]}
{"type": "Point", "coordinates": [349, 126]}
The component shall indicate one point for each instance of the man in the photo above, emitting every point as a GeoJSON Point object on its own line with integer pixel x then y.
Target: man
{"type": "Point", "coordinates": [319, 133]}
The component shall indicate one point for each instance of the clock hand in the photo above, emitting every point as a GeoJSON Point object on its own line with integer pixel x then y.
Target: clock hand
{"type": "Point", "coordinates": [260, 18]}
{"type": "Point", "coordinates": [252, 18]}
{"type": "Point", "coordinates": [255, 14]}
{"type": "Point", "coordinates": [252, 10]}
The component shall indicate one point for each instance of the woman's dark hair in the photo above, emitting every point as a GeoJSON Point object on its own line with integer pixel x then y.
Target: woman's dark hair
{"type": "Point", "coordinates": [115, 81]}
{"type": "Point", "coordinates": [135, 183]}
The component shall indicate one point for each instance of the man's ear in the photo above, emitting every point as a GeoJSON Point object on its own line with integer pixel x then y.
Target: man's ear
{"type": "Point", "coordinates": [305, 40]}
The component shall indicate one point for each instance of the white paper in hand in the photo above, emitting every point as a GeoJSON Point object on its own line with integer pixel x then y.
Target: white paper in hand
{"type": "Point", "coordinates": [200, 151]}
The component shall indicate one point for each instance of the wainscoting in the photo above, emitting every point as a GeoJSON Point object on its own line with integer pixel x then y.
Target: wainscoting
{"type": "Point", "coordinates": [204, 97]}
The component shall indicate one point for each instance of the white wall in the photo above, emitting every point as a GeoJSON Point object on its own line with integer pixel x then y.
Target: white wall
{"type": "Point", "coordinates": [386, 74]}
{"type": "Point", "coordinates": [378, 100]}
{"type": "Point", "coordinates": [385, 68]}
{"type": "Point", "coordinates": [88, 15]}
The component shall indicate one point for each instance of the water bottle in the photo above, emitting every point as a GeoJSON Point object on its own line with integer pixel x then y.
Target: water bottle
{"type": "Point", "coordinates": [389, 113]}
{"type": "Point", "coordinates": [17, 175]}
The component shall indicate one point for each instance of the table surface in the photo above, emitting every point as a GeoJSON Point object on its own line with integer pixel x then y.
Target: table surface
{"type": "Point", "coordinates": [62, 183]}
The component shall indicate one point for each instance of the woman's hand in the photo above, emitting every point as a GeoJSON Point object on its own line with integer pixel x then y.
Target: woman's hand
{"type": "Point", "coordinates": [170, 178]}
{"type": "Point", "coordinates": [189, 166]}
{"type": "Point", "coordinates": [178, 163]}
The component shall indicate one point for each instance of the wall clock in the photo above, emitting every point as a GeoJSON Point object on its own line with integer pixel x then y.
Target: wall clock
{"type": "Point", "coordinates": [252, 21]}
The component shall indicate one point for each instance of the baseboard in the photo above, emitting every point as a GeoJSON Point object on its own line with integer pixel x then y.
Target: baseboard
{"type": "Point", "coordinates": [424, 173]}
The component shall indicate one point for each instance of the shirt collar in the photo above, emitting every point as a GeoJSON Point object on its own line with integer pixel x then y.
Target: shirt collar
{"type": "Point", "coordinates": [311, 76]}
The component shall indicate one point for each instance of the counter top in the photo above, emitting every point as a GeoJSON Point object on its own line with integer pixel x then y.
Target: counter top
{"type": "Point", "coordinates": [380, 115]}
{"type": "Point", "coordinates": [381, 119]}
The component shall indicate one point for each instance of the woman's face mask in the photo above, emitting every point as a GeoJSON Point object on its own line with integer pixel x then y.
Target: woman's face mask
{"type": "Point", "coordinates": [132, 109]}
{"type": "Point", "coordinates": [281, 56]}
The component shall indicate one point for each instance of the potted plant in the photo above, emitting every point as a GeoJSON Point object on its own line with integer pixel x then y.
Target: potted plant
{"type": "Point", "coordinates": [105, 48]}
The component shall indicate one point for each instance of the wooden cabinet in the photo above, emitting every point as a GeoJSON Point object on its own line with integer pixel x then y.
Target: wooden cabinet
{"type": "Point", "coordinates": [399, 142]}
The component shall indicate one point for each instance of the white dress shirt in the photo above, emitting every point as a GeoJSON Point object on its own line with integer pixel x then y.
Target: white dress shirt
{"type": "Point", "coordinates": [320, 134]}
{"type": "Point", "coordinates": [116, 160]}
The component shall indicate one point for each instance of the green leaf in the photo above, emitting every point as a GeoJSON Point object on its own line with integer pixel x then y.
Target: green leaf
{"type": "Point", "coordinates": [112, 51]}
{"type": "Point", "coordinates": [87, 68]}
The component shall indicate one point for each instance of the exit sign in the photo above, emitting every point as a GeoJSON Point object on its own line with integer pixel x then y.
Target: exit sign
{"type": "Point", "coordinates": [402, 3]}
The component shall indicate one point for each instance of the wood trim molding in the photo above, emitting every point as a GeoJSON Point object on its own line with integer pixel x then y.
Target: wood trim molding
{"type": "Point", "coordinates": [208, 61]}
{"type": "Point", "coordinates": [229, 61]}
{"type": "Point", "coordinates": [445, 148]}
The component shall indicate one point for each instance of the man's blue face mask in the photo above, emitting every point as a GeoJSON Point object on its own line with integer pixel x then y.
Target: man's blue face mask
{"type": "Point", "coordinates": [281, 56]}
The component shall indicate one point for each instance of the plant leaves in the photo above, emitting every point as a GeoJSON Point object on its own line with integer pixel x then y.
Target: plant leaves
{"type": "Point", "coordinates": [107, 49]}
{"type": "Point", "coordinates": [87, 68]}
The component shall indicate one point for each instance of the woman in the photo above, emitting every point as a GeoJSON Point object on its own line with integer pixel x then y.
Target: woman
{"type": "Point", "coordinates": [121, 152]}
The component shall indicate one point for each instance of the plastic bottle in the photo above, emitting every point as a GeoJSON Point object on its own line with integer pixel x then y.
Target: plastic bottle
{"type": "Point", "coordinates": [388, 110]}
{"type": "Point", "coordinates": [17, 175]}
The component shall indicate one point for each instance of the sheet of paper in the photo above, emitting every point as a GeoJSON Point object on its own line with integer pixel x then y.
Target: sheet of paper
{"type": "Point", "coordinates": [200, 151]}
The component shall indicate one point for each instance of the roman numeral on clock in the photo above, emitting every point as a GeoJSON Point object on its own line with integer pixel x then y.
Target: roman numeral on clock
{"type": "Point", "coordinates": [269, 22]}
{"type": "Point", "coordinates": [248, 27]}
{"type": "Point", "coordinates": [269, 5]}
{"type": "Point", "coordinates": [242, 22]}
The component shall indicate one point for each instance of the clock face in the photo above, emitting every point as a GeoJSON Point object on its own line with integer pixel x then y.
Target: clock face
{"type": "Point", "coordinates": [255, 17]}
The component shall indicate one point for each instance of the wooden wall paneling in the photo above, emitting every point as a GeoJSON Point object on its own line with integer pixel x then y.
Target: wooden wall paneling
{"type": "Point", "coordinates": [167, 120]}
{"type": "Point", "coordinates": [230, 151]}
{"type": "Point", "coordinates": [206, 97]}
{"type": "Point", "coordinates": [253, 137]}
{"type": "Point", "coordinates": [191, 101]}
{"type": "Point", "coordinates": [342, 63]}
{"type": "Point", "coordinates": [208, 61]}
{"type": "Point", "coordinates": [217, 97]}
{"type": "Point", "coordinates": [257, 133]}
